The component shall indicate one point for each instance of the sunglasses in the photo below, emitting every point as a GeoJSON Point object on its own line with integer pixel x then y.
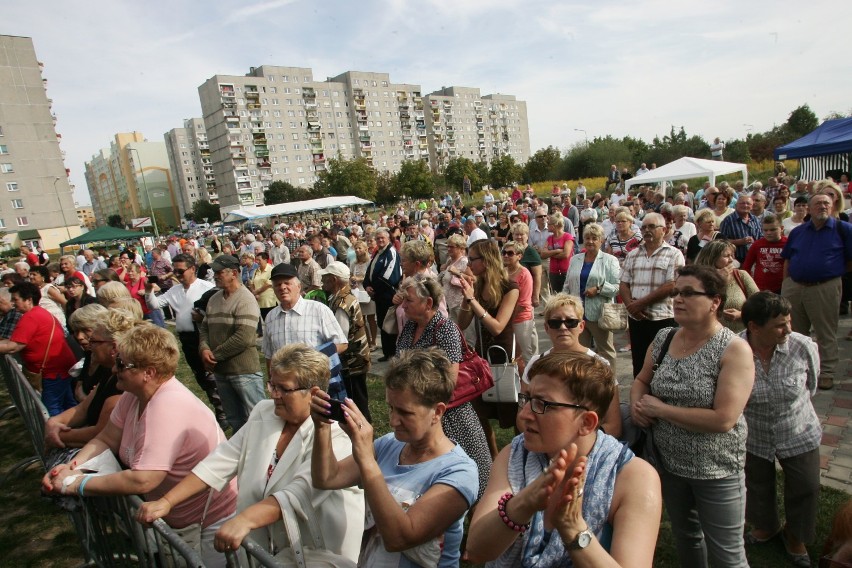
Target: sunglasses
{"type": "Point", "coordinates": [690, 293]}
{"type": "Point", "coordinates": [508, 253]}
{"type": "Point", "coordinates": [558, 323]}
{"type": "Point", "coordinates": [179, 271]}
{"type": "Point", "coordinates": [541, 216]}
{"type": "Point", "coordinates": [121, 365]}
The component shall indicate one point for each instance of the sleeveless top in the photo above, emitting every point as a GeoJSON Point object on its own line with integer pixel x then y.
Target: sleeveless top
{"type": "Point", "coordinates": [690, 382]}
{"type": "Point", "coordinates": [544, 549]}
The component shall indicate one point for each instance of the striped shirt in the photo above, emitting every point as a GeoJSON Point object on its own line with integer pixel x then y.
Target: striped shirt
{"type": "Point", "coordinates": [645, 274]}
{"type": "Point", "coordinates": [781, 419]}
{"type": "Point", "coordinates": [733, 228]}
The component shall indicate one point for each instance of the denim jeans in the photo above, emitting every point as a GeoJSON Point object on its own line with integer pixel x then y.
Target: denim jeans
{"type": "Point", "coordinates": [56, 394]}
{"type": "Point", "coordinates": [239, 394]}
{"type": "Point", "coordinates": [707, 515]}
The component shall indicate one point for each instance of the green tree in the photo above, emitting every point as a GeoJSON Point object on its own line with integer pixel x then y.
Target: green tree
{"type": "Point", "coordinates": [347, 177]}
{"type": "Point", "coordinates": [414, 180]}
{"type": "Point", "coordinates": [202, 209]}
{"type": "Point", "coordinates": [481, 178]}
{"type": "Point", "coordinates": [801, 121]}
{"type": "Point", "coordinates": [115, 221]}
{"type": "Point", "coordinates": [542, 165]}
{"type": "Point", "coordinates": [385, 188]}
{"type": "Point", "coordinates": [594, 159]}
{"type": "Point", "coordinates": [283, 192]}
{"type": "Point", "coordinates": [504, 171]}
{"type": "Point", "coordinates": [455, 171]}
{"type": "Point", "coordinates": [675, 145]}
{"type": "Point", "coordinates": [835, 114]}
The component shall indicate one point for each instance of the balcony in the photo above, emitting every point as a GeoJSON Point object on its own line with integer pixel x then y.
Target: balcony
{"type": "Point", "coordinates": [309, 93]}
{"type": "Point", "coordinates": [261, 152]}
{"type": "Point", "coordinates": [314, 125]}
{"type": "Point", "coordinates": [265, 177]}
{"type": "Point", "coordinates": [364, 137]}
{"type": "Point", "coordinates": [319, 158]}
{"type": "Point", "coordinates": [253, 106]}
{"type": "Point", "coordinates": [263, 164]}
{"type": "Point", "coordinates": [363, 127]}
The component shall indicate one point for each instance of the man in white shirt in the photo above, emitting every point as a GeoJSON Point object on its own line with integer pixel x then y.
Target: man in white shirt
{"type": "Point", "coordinates": [474, 233]}
{"type": "Point", "coordinates": [642, 170]}
{"type": "Point", "coordinates": [181, 299]}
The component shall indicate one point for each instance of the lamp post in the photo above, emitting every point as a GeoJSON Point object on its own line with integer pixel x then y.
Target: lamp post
{"type": "Point", "coordinates": [584, 134]}
{"type": "Point", "coordinates": [61, 210]}
{"type": "Point", "coordinates": [147, 195]}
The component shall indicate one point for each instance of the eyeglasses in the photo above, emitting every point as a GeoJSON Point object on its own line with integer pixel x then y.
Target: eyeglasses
{"type": "Point", "coordinates": [179, 271]}
{"type": "Point", "coordinates": [473, 258]}
{"type": "Point", "coordinates": [690, 293]}
{"type": "Point", "coordinates": [540, 406]}
{"type": "Point", "coordinates": [281, 391]}
{"type": "Point", "coordinates": [96, 280]}
{"type": "Point", "coordinates": [508, 253]}
{"type": "Point", "coordinates": [121, 365]}
{"type": "Point", "coordinates": [651, 227]}
{"type": "Point", "coordinates": [558, 323]}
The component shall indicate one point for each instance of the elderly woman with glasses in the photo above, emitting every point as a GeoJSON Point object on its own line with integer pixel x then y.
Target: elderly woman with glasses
{"type": "Point", "coordinates": [693, 401]}
{"type": "Point", "coordinates": [271, 459]}
{"type": "Point", "coordinates": [426, 327]}
{"type": "Point", "coordinates": [564, 493]}
{"type": "Point", "coordinates": [157, 445]}
{"type": "Point", "coordinates": [417, 481]}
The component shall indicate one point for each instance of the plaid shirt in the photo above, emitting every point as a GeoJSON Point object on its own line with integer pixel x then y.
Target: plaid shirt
{"type": "Point", "coordinates": [733, 228]}
{"type": "Point", "coordinates": [781, 419]}
{"type": "Point", "coordinates": [644, 274]}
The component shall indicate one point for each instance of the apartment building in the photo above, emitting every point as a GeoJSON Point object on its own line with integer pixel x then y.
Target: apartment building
{"type": "Point", "coordinates": [37, 206]}
{"type": "Point", "coordinates": [279, 123]}
{"type": "Point", "coordinates": [191, 166]}
{"type": "Point", "coordinates": [132, 178]}
{"type": "Point", "coordinates": [86, 216]}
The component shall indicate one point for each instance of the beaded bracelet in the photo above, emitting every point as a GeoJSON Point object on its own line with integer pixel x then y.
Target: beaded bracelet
{"type": "Point", "coordinates": [501, 510]}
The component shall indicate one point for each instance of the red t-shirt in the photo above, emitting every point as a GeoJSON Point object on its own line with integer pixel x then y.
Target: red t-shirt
{"type": "Point", "coordinates": [560, 265]}
{"type": "Point", "coordinates": [765, 264]}
{"type": "Point", "coordinates": [32, 259]}
{"type": "Point", "coordinates": [523, 311]}
{"type": "Point", "coordinates": [33, 330]}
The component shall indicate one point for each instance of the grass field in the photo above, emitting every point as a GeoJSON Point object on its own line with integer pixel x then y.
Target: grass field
{"type": "Point", "coordinates": [36, 534]}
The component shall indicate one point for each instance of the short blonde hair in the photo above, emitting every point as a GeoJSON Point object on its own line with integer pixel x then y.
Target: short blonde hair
{"type": "Point", "coordinates": [116, 321]}
{"type": "Point", "coordinates": [305, 364]}
{"type": "Point", "coordinates": [703, 215]}
{"type": "Point", "coordinates": [112, 291]}
{"type": "Point", "coordinates": [595, 230]}
{"type": "Point", "coordinates": [457, 240]}
{"type": "Point", "coordinates": [556, 220]}
{"type": "Point", "coordinates": [561, 300]}
{"type": "Point", "coordinates": [417, 251]}
{"type": "Point", "coordinates": [520, 229]}
{"type": "Point", "coordinates": [515, 246]}
{"type": "Point", "coordinates": [87, 318]}
{"type": "Point", "coordinates": [128, 304]}
{"type": "Point", "coordinates": [147, 345]}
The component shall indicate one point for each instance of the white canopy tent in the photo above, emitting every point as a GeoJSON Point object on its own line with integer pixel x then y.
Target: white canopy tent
{"type": "Point", "coordinates": [265, 211]}
{"type": "Point", "coordinates": [688, 168]}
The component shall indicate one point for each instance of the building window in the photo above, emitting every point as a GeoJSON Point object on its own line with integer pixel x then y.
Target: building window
{"type": "Point", "coordinates": [17, 204]}
{"type": "Point", "coordinates": [6, 168]}
{"type": "Point", "coordinates": [12, 186]}
{"type": "Point", "coordinates": [4, 149]}
{"type": "Point", "coordinates": [2, 224]}
{"type": "Point", "coordinates": [22, 221]}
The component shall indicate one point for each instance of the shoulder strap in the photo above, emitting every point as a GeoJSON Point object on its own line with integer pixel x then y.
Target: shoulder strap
{"type": "Point", "coordinates": [664, 348]}
{"type": "Point", "coordinates": [739, 279]}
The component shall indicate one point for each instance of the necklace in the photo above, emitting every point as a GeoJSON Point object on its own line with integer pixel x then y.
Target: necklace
{"type": "Point", "coordinates": [689, 348]}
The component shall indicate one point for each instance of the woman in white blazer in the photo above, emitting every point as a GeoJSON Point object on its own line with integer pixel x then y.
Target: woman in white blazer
{"type": "Point", "coordinates": [593, 277]}
{"type": "Point", "coordinates": [271, 457]}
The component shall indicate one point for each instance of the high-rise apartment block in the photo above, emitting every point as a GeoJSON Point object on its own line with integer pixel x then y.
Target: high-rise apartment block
{"type": "Point", "coordinates": [191, 165]}
{"type": "Point", "coordinates": [278, 123]}
{"type": "Point", "coordinates": [132, 179]}
{"type": "Point", "coordinates": [37, 207]}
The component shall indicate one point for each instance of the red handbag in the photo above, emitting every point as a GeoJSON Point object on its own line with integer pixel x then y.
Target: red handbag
{"type": "Point", "coordinates": [474, 377]}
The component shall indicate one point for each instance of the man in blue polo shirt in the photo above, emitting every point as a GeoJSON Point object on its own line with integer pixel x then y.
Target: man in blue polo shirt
{"type": "Point", "coordinates": [817, 254]}
{"type": "Point", "coordinates": [742, 228]}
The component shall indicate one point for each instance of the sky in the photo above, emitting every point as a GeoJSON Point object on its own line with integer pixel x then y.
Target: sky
{"type": "Point", "coordinates": [585, 69]}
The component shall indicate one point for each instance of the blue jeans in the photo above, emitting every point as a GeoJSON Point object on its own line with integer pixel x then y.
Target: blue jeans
{"type": "Point", "coordinates": [707, 515]}
{"type": "Point", "coordinates": [56, 394]}
{"type": "Point", "coordinates": [239, 394]}
{"type": "Point", "coordinates": [156, 317]}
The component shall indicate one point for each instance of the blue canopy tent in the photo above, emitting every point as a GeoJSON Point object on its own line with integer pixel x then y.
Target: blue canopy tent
{"type": "Point", "coordinates": [826, 149]}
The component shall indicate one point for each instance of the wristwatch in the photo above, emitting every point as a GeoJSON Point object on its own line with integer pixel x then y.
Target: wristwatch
{"type": "Point", "coordinates": [582, 540]}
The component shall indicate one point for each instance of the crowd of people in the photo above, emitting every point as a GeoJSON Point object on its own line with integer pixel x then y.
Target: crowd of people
{"type": "Point", "coordinates": [722, 297]}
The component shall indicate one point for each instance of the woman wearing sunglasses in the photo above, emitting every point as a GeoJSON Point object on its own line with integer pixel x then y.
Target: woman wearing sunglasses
{"type": "Point", "coordinates": [693, 402]}
{"type": "Point", "coordinates": [564, 493]}
{"type": "Point", "coordinates": [564, 325]}
{"type": "Point", "coordinates": [593, 277]}
{"type": "Point", "coordinates": [523, 324]}
{"type": "Point", "coordinates": [158, 444]}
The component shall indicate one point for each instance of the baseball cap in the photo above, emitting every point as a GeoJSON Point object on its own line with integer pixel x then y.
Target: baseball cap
{"type": "Point", "coordinates": [284, 270]}
{"type": "Point", "coordinates": [224, 261]}
{"type": "Point", "coordinates": [336, 268]}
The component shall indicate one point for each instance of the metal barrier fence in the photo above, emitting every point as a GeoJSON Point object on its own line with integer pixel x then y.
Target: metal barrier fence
{"type": "Point", "coordinates": [106, 526]}
{"type": "Point", "coordinates": [252, 555]}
